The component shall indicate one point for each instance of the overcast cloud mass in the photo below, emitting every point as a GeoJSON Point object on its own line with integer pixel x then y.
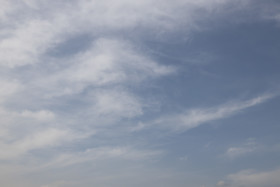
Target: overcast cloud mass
{"type": "Point", "coordinates": [127, 93]}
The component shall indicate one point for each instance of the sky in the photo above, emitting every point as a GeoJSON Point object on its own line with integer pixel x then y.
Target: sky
{"type": "Point", "coordinates": [155, 93]}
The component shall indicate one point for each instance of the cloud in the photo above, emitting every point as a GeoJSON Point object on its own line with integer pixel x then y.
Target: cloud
{"type": "Point", "coordinates": [238, 151]}
{"type": "Point", "coordinates": [45, 25]}
{"type": "Point", "coordinates": [251, 178]}
{"type": "Point", "coordinates": [195, 117]}
{"type": "Point", "coordinates": [53, 99]}
{"type": "Point", "coordinates": [99, 154]}
{"type": "Point", "coordinates": [115, 103]}
{"type": "Point", "coordinates": [10, 118]}
{"type": "Point", "coordinates": [108, 62]}
{"type": "Point", "coordinates": [38, 118]}
{"type": "Point", "coordinates": [267, 10]}
{"type": "Point", "coordinates": [99, 77]}
{"type": "Point", "coordinates": [8, 88]}
{"type": "Point", "coordinates": [221, 184]}
{"type": "Point", "coordinates": [42, 115]}
{"type": "Point", "coordinates": [123, 14]}
{"type": "Point", "coordinates": [25, 44]}
{"type": "Point", "coordinates": [37, 140]}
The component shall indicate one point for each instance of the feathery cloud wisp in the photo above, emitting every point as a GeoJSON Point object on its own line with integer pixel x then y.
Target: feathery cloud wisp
{"type": "Point", "coordinates": [194, 117]}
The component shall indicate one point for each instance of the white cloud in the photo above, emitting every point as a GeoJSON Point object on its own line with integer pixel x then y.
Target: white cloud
{"type": "Point", "coordinates": [99, 154]}
{"type": "Point", "coordinates": [27, 42]}
{"type": "Point", "coordinates": [238, 151]}
{"type": "Point", "coordinates": [42, 115]}
{"type": "Point", "coordinates": [48, 137]}
{"type": "Point", "coordinates": [11, 118]}
{"type": "Point", "coordinates": [115, 104]}
{"type": "Point", "coordinates": [108, 62]}
{"type": "Point", "coordinates": [8, 88]}
{"type": "Point", "coordinates": [46, 24]}
{"type": "Point", "coordinates": [233, 152]}
{"type": "Point", "coordinates": [22, 132]}
{"type": "Point", "coordinates": [123, 14]}
{"type": "Point", "coordinates": [195, 117]}
{"type": "Point", "coordinates": [221, 184]}
{"type": "Point", "coordinates": [5, 9]}
{"type": "Point", "coordinates": [46, 99]}
{"type": "Point", "coordinates": [20, 148]}
{"type": "Point", "coordinates": [251, 178]}
{"type": "Point", "coordinates": [16, 124]}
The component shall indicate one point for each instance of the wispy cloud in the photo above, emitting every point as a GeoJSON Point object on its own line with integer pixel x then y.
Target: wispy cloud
{"type": "Point", "coordinates": [195, 117]}
{"type": "Point", "coordinates": [252, 178]}
{"type": "Point", "coordinates": [46, 138]}
{"type": "Point", "coordinates": [52, 96]}
{"type": "Point", "coordinates": [242, 150]}
{"type": "Point", "coordinates": [102, 154]}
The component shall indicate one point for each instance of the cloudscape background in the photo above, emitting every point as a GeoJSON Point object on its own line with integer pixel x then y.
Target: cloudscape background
{"type": "Point", "coordinates": [121, 93]}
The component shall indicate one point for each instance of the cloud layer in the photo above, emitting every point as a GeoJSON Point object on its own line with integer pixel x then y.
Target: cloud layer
{"type": "Point", "coordinates": [79, 87]}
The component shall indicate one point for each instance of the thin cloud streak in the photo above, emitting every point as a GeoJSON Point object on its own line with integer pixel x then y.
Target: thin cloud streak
{"type": "Point", "coordinates": [234, 152]}
{"type": "Point", "coordinates": [99, 154]}
{"type": "Point", "coordinates": [195, 117]}
{"type": "Point", "coordinates": [252, 178]}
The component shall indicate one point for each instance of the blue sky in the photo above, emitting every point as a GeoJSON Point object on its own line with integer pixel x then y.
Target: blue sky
{"type": "Point", "coordinates": [139, 93]}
